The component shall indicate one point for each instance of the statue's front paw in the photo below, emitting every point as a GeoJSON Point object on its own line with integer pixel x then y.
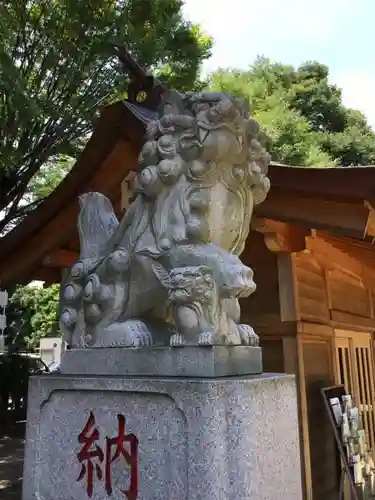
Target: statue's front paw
{"type": "Point", "coordinates": [177, 340]}
{"type": "Point", "coordinates": [130, 333]}
{"type": "Point", "coordinates": [142, 339]}
{"type": "Point", "coordinates": [137, 333]}
{"type": "Point", "coordinates": [206, 338]}
{"type": "Point", "coordinates": [248, 336]}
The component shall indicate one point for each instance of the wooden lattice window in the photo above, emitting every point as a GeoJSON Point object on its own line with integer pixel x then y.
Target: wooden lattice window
{"type": "Point", "coordinates": [355, 369]}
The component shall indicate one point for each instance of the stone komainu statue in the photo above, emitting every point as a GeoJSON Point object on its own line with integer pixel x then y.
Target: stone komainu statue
{"type": "Point", "coordinates": [169, 272]}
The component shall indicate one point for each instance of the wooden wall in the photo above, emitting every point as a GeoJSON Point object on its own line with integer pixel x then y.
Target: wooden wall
{"type": "Point", "coordinates": [328, 297]}
{"type": "Point", "coordinates": [318, 442]}
{"type": "Point", "coordinates": [261, 308]}
{"type": "Point", "coordinates": [328, 293]}
{"type": "Point", "coordinates": [311, 289]}
{"type": "Point", "coordinates": [300, 299]}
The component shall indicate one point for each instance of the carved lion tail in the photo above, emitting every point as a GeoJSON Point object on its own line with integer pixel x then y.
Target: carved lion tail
{"type": "Point", "coordinates": [97, 222]}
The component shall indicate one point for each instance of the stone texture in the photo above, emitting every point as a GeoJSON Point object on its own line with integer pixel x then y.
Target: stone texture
{"type": "Point", "coordinates": [199, 439]}
{"type": "Point", "coordinates": [174, 257]}
{"type": "Point", "coordinates": [216, 361]}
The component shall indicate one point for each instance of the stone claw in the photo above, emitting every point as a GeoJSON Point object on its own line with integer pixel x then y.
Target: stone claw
{"type": "Point", "coordinates": [143, 339]}
{"type": "Point", "coordinates": [130, 333]}
{"type": "Point", "coordinates": [248, 336]}
{"type": "Point", "coordinates": [177, 340]}
{"type": "Point", "coordinates": [206, 338]}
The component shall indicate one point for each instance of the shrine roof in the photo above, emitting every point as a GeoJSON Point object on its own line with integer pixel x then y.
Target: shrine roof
{"type": "Point", "coordinates": [356, 182]}
{"type": "Point", "coordinates": [338, 200]}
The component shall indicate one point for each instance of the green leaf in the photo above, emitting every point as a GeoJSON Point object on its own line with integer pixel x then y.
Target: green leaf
{"type": "Point", "coordinates": [57, 67]}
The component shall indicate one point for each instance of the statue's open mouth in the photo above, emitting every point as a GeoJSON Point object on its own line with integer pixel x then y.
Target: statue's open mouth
{"type": "Point", "coordinates": [203, 131]}
{"type": "Point", "coordinates": [219, 126]}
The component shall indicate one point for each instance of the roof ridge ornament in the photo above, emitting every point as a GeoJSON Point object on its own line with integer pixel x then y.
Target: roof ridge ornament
{"type": "Point", "coordinates": [144, 89]}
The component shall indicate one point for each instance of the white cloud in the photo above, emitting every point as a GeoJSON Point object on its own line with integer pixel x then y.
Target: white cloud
{"type": "Point", "coordinates": [358, 91]}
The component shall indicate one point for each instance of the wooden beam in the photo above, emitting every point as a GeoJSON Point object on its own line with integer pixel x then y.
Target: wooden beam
{"type": "Point", "coordinates": [345, 183]}
{"type": "Point", "coordinates": [60, 258]}
{"type": "Point", "coordinates": [340, 217]}
{"type": "Point", "coordinates": [370, 226]}
{"type": "Point", "coordinates": [281, 236]}
{"type": "Point", "coordinates": [48, 275]}
{"type": "Point", "coordinates": [288, 293]}
{"type": "Point", "coordinates": [360, 250]}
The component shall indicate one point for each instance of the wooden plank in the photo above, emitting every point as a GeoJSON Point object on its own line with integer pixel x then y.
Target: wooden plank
{"type": "Point", "coordinates": [351, 319]}
{"type": "Point", "coordinates": [60, 258]}
{"type": "Point", "coordinates": [308, 274]}
{"type": "Point", "coordinates": [272, 352]}
{"type": "Point", "coordinates": [304, 425]}
{"type": "Point", "coordinates": [318, 371]}
{"type": "Point", "coordinates": [287, 291]}
{"type": "Point", "coordinates": [312, 309]}
{"type": "Point", "coordinates": [290, 355]}
{"type": "Point", "coordinates": [329, 182]}
{"type": "Point", "coordinates": [370, 297]}
{"type": "Point", "coordinates": [367, 390]}
{"type": "Point", "coordinates": [270, 326]}
{"type": "Point", "coordinates": [293, 365]}
{"type": "Point", "coordinates": [370, 227]}
{"type": "Point", "coordinates": [281, 236]}
{"type": "Point", "coordinates": [370, 379]}
{"type": "Point", "coordinates": [48, 275]}
{"type": "Point", "coordinates": [331, 257]}
{"type": "Point", "coordinates": [311, 288]}
{"type": "Point", "coordinates": [317, 330]}
{"type": "Point", "coordinates": [340, 217]}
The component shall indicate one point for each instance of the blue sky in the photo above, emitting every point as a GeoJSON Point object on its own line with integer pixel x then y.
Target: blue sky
{"type": "Point", "coordinates": [338, 33]}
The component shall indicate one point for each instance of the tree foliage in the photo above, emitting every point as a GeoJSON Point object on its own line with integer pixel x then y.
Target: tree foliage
{"type": "Point", "coordinates": [32, 314]}
{"type": "Point", "coordinates": [302, 114]}
{"type": "Point", "coordinates": [57, 69]}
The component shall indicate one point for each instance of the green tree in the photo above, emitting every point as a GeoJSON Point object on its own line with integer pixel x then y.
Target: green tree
{"type": "Point", "coordinates": [302, 114]}
{"type": "Point", "coordinates": [32, 314]}
{"type": "Point", "coordinates": [57, 67]}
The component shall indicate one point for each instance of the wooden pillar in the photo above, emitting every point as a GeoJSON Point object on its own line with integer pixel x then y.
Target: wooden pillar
{"type": "Point", "coordinates": [285, 239]}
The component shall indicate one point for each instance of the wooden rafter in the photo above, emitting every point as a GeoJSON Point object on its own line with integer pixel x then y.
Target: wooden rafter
{"type": "Point", "coordinates": [333, 253]}
{"type": "Point", "coordinates": [60, 258]}
{"type": "Point", "coordinates": [281, 236]}
{"type": "Point", "coordinates": [339, 217]}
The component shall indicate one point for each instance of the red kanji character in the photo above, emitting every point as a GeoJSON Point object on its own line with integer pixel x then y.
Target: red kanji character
{"type": "Point", "coordinates": [88, 452]}
{"type": "Point", "coordinates": [131, 458]}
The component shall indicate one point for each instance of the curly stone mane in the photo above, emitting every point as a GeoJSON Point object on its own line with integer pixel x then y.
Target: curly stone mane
{"type": "Point", "coordinates": [175, 174]}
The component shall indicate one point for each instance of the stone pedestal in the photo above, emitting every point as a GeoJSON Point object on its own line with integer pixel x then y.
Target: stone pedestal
{"type": "Point", "coordinates": [141, 438]}
{"type": "Point", "coordinates": [206, 362]}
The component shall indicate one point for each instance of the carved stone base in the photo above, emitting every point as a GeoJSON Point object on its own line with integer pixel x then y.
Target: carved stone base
{"type": "Point", "coordinates": [207, 362]}
{"type": "Point", "coordinates": [186, 439]}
